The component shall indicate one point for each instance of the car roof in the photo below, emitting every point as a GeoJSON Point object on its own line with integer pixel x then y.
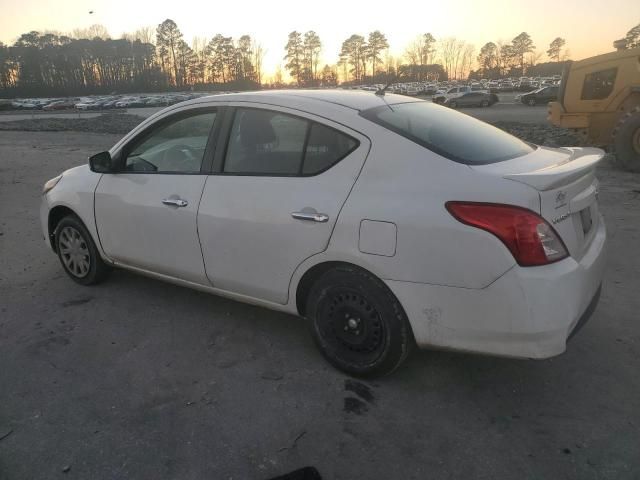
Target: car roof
{"type": "Point", "coordinates": [353, 99]}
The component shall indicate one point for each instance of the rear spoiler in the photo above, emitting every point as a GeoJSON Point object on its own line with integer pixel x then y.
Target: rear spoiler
{"type": "Point", "coordinates": [580, 162]}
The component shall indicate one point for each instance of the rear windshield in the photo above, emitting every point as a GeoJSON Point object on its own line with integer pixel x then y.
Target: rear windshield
{"type": "Point", "coordinates": [446, 132]}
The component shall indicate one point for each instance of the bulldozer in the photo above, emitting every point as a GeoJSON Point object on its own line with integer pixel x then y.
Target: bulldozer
{"type": "Point", "coordinates": [599, 98]}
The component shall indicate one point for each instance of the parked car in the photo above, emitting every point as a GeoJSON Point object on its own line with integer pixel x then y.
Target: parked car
{"type": "Point", "coordinates": [60, 105]}
{"type": "Point", "coordinates": [412, 90]}
{"type": "Point", "coordinates": [24, 105]}
{"type": "Point", "coordinates": [472, 99]}
{"type": "Point", "coordinates": [471, 239]}
{"type": "Point", "coordinates": [88, 105]}
{"type": "Point", "coordinates": [451, 93]}
{"type": "Point", "coordinates": [109, 104]}
{"type": "Point", "coordinates": [542, 96]}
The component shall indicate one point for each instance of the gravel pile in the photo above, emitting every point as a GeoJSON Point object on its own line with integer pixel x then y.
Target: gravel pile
{"type": "Point", "coordinates": [122, 123]}
{"type": "Point", "coordinates": [541, 134]}
{"type": "Point", "coordinates": [119, 123]}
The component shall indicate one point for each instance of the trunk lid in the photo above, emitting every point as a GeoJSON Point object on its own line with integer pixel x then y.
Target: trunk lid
{"type": "Point", "coordinates": [567, 187]}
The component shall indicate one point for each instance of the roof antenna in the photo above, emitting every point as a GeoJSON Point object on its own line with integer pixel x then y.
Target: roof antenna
{"type": "Point", "coordinates": [381, 91]}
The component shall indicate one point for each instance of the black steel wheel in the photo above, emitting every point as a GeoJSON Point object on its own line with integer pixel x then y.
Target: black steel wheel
{"type": "Point", "coordinates": [358, 324]}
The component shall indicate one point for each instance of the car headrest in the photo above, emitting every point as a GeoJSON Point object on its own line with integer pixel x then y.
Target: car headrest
{"type": "Point", "coordinates": [323, 137]}
{"type": "Point", "coordinates": [256, 128]}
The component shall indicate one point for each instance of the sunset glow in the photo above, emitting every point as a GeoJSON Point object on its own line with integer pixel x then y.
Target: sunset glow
{"type": "Point", "coordinates": [588, 26]}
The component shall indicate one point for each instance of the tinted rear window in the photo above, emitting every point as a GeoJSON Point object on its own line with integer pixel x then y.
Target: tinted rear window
{"type": "Point", "coordinates": [452, 134]}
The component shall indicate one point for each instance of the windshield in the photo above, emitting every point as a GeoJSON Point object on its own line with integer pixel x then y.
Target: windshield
{"type": "Point", "coordinates": [452, 134]}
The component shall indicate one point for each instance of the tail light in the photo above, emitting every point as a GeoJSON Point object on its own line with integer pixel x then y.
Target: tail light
{"type": "Point", "coordinates": [529, 238]}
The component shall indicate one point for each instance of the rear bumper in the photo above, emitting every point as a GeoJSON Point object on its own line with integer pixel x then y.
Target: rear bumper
{"type": "Point", "coordinates": [526, 313]}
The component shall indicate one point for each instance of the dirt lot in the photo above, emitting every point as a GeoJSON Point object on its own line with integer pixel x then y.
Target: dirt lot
{"type": "Point", "coordinates": [137, 379]}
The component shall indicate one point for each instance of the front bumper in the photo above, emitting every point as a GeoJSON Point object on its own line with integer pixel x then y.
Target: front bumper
{"type": "Point", "coordinates": [526, 313]}
{"type": "Point", "coordinates": [44, 219]}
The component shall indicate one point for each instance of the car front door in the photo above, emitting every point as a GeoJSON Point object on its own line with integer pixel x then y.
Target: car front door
{"type": "Point", "coordinates": [146, 212]}
{"type": "Point", "coordinates": [274, 198]}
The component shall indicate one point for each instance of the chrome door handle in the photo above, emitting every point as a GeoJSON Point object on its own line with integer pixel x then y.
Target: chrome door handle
{"type": "Point", "coordinates": [175, 202]}
{"type": "Point", "coordinates": [311, 216]}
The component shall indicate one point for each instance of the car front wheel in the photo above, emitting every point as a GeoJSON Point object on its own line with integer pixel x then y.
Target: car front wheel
{"type": "Point", "coordinates": [531, 102]}
{"type": "Point", "coordinates": [78, 253]}
{"type": "Point", "coordinates": [358, 324]}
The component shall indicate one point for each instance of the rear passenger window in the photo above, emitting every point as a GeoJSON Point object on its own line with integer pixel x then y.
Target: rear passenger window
{"type": "Point", "coordinates": [325, 147]}
{"type": "Point", "coordinates": [264, 142]}
{"type": "Point", "coordinates": [599, 85]}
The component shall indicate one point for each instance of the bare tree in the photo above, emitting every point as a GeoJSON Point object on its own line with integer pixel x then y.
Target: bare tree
{"type": "Point", "coordinates": [94, 31]}
{"type": "Point", "coordinates": [533, 58]}
{"type": "Point", "coordinates": [312, 47]}
{"type": "Point", "coordinates": [451, 50]}
{"type": "Point", "coordinates": [258, 56]}
{"type": "Point", "coordinates": [467, 60]}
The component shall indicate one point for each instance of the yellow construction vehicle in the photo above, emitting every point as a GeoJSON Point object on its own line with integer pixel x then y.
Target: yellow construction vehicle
{"type": "Point", "coordinates": [599, 97]}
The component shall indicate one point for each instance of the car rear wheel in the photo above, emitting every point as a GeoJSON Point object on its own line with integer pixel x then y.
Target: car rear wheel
{"type": "Point", "coordinates": [357, 323]}
{"type": "Point", "coordinates": [531, 102]}
{"type": "Point", "coordinates": [78, 253]}
{"type": "Point", "coordinates": [627, 141]}
{"type": "Point", "coordinates": [484, 103]}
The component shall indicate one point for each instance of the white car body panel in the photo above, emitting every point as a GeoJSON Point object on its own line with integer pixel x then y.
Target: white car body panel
{"type": "Point", "coordinates": [526, 313]}
{"type": "Point", "coordinates": [250, 242]}
{"type": "Point", "coordinates": [74, 191]}
{"type": "Point", "coordinates": [459, 285]}
{"type": "Point", "coordinates": [135, 228]}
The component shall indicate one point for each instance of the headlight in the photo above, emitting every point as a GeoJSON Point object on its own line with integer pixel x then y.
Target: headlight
{"type": "Point", "coordinates": [50, 184]}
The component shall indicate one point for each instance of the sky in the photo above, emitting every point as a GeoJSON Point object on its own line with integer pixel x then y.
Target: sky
{"type": "Point", "coordinates": [589, 26]}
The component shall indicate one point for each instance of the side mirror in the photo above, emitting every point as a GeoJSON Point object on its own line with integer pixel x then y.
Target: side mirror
{"type": "Point", "coordinates": [101, 163]}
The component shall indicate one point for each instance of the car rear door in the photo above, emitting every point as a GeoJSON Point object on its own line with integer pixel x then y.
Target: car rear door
{"type": "Point", "coordinates": [274, 197]}
{"type": "Point", "coordinates": [146, 213]}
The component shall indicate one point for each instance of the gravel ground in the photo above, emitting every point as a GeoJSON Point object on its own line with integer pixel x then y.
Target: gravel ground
{"type": "Point", "coordinates": [139, 379]}
{"type": "Point", "coordinates": [117, 123]}
{"type": "Point", "coordinates": [540, 134]}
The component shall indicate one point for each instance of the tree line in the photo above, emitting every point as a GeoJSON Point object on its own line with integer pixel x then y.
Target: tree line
{"type": "Point", "coordinates": [88, 61]}
{"type": "Point", "coordinates": [154, 59]}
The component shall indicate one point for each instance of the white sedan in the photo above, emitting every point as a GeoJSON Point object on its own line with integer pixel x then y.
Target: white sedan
{"type": "Point", "coordinates": [384, 220]}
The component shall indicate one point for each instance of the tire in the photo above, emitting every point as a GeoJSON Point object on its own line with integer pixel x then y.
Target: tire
{"type": "Point", "coordinates": [453, 104]}
{"type": "Point", "coordinates": [357, 323]}
{"type": "Point", "coordinates": [484, 103]}
{"type": "Point", "coordinates": [626, 141]}
{"type": "Point", "coordinates": [78, 253]}
{"type": "Point", "coordinates": [532, 102]}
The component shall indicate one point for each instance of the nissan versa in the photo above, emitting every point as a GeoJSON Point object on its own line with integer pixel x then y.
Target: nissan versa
{"type": "Point", "coordinates": [386, 221]}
